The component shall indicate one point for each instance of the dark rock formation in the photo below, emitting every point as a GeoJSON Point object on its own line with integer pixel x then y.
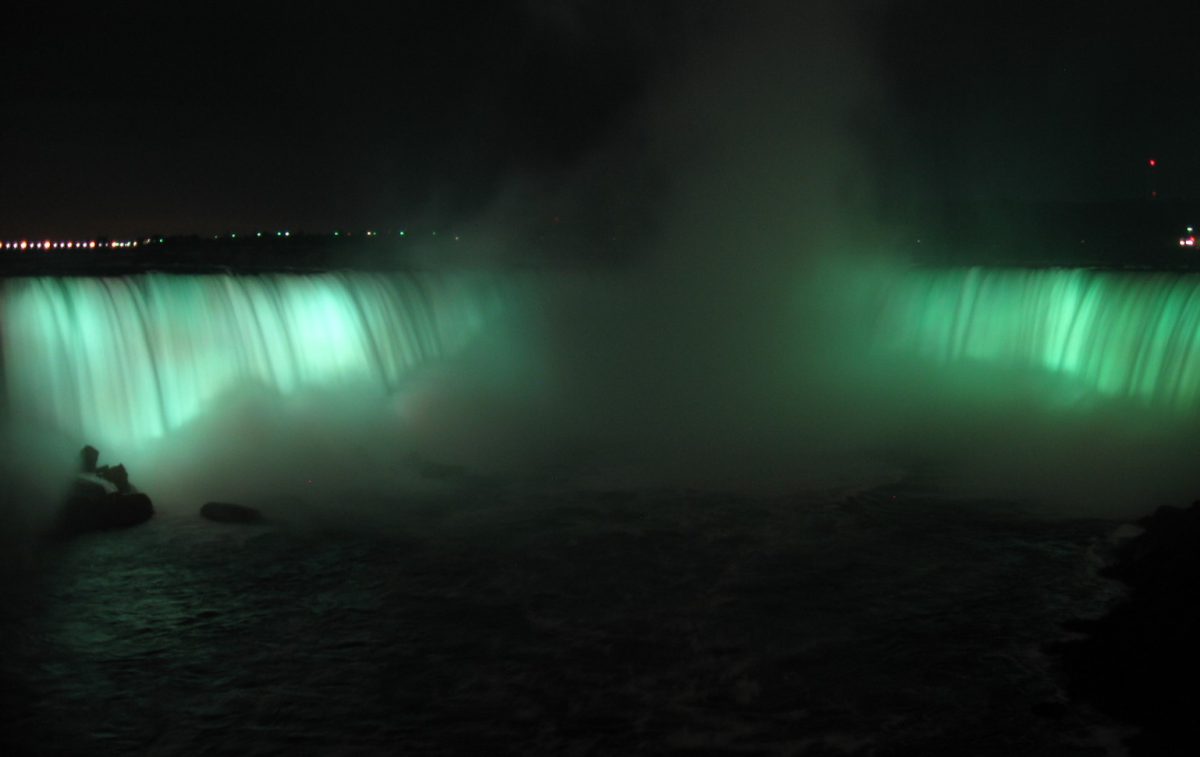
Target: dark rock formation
{"type": "Point", "coordinates": [88, 457]}
{"type": "Point", "coordinates": [90, 507]}
{"type": "Point", "coordinates": [1134, 662]}
{"type": "Point", "coordinates": [100, 498]}
{"type": "Point", "coordinates": [227, 512]}
{"type": "Point", "coordinates": [117, 476]}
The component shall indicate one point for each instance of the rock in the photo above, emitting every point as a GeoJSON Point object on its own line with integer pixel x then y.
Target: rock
{"type": "Point", "coordinates": [128, 509]}
{"type": "Point", "coordinates": [88, 457]}
{"type": "Point", "coordinates": [1132, 662]}
{"type": "Point", "coordinates": [90, 508]}
{"type": "Point", "coordinates": [117, 476]}
{"type": "Point", "coordinates": [88, 486]}
{"type": "Point", "coordinates": [227, 512]}
{"type": "Point", "coordinates": [101, 498]}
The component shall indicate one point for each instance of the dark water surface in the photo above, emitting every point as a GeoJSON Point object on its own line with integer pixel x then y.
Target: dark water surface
{"type": "Point", "coordinates": [883, 623]}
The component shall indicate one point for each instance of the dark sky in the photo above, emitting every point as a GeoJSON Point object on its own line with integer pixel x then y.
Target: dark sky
{"type": "Point", "coordinates": [327, 115]}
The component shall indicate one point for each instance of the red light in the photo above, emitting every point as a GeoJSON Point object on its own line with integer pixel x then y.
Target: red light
{"type": "Point", "coordinates": [1153, 162]}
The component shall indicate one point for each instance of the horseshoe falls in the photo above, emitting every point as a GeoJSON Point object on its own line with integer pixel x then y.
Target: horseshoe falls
{"type": "Point", "coordinates": [126, 360]}
{"type": "Point", "coordinates": [1128, 335]}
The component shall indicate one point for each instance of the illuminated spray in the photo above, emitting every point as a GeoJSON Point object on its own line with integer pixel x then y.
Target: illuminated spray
{"type": "Point", "coordinates": [1130, 335]}
{"type": "Point", "coordinates": [121, 360]}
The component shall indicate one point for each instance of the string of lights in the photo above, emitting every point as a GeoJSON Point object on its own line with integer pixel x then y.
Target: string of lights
{"type": "Point", "coordinates": [35, 245]}
{"type": "Point", "coordinates": [25, 245]}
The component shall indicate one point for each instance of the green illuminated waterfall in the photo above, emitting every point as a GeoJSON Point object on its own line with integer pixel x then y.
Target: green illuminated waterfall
{"type": "Point", "coordinates": [131, 358]}
{"type": "Point", "coordinates": [1120, 334]}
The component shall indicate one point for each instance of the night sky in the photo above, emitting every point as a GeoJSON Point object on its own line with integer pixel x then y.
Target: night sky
{"type": "Point", "coordinates": [330, 116]}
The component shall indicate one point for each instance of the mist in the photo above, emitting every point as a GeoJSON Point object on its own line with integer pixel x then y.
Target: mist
{"type": "Point", "coordinates": [733, 342]}
{"type": "Point", "coordinates": [738, 342]}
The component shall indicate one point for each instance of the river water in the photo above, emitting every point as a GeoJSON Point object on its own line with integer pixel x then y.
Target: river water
{"type": "Point", "coordinates": [546, 620]}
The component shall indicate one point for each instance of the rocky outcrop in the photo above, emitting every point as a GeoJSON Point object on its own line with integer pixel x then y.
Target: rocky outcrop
{"type": "Point", "coordinates": [1133, 662]}
{"type": "Point", "coordinates": [90, 507]}
{"type": "Point", "coordinates": [117, 476]}
{"type": "Point", "coordinates": [101, 498]}
{"type": "Point", "coordinates": [227, 512]}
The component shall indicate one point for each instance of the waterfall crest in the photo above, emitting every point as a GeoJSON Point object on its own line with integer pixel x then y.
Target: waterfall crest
{"type": "Point", "coordinates": [1133, 335]}
{"type": "Point", "coordinates": [131, 358]}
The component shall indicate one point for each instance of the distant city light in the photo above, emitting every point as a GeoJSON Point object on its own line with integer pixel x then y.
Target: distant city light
{"type": "Point", "coordinates": [120, 244]}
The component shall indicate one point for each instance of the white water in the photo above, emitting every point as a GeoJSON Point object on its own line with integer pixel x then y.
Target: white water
{"type": "Point", "coordinates": [1126, 335]}
{"type": "Point", "coordinates": [123, 360]}
{"type": "Point", "coordinates": [965, 365]}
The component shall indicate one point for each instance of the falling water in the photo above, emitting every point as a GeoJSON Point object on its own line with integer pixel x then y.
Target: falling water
{"type": "Point", "coordinates": [1117, 334]}
{"type": "Point", "coordinates": [128, 359]}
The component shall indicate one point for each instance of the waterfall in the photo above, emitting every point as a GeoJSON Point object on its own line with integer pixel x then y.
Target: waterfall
{"type": "Point", "coordinates": [1120, 334]}
{"type": "Point", "coordinates": [131, 358]}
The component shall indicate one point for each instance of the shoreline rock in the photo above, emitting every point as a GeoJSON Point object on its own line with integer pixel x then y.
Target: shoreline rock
{"type": "Point", "coordinates": [101, 498]}
{"type": "Point", "coordinates": [90, 508]}
{"type": "Point", "coordinates": [1132, 662]}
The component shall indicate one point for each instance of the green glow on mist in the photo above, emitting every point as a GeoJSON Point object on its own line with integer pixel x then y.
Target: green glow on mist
{"type": "Point", "coordinates": [126, 359]}
{"type": "Point", "coordinates": [1119, 334]}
